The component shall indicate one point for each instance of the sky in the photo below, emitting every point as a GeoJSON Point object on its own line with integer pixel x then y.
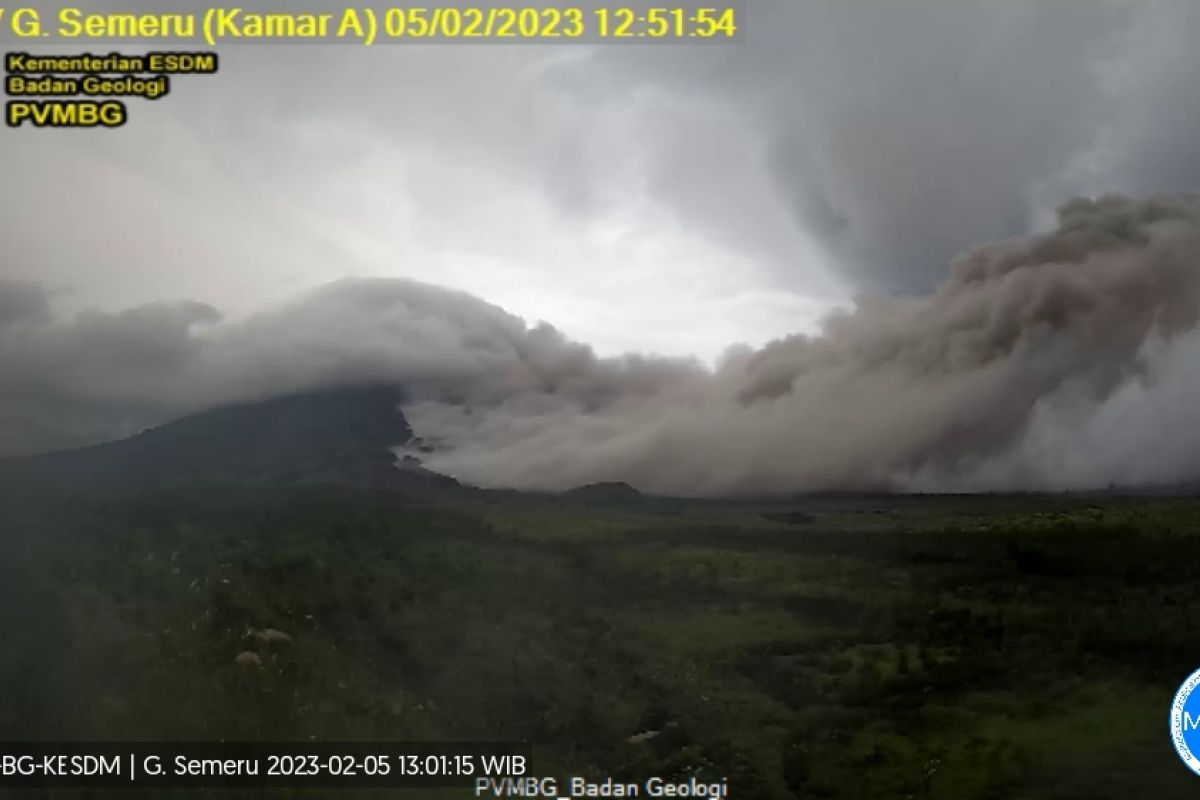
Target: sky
{"type": "Point", "coordinates": [672, 199]}
{"type": "Point", "coordinates": [661, 200]}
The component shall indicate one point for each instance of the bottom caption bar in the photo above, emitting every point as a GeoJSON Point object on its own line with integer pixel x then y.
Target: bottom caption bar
{"type": "Point", "coordinates": [260, 764]}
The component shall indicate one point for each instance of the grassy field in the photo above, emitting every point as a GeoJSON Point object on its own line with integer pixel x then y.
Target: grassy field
{"type": "Point", "coordinates": [835, 647]}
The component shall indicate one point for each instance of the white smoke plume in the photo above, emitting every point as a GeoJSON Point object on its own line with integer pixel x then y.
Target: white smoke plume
{"type": "Point", "coordinates": [1064, 360]}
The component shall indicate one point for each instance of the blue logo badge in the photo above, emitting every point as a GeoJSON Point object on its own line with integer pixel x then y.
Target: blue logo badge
{"type": "Point", "coordinates": [1185, 722]}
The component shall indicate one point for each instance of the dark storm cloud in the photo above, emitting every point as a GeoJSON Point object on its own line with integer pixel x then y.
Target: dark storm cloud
{"type": "Point", "coordinates": [895, 134]}
{"type": "Point", "coordinates": [898, 133]}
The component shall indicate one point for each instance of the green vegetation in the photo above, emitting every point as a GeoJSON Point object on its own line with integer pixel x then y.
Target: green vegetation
{"type": "Point", "coordinates": [831, 648]}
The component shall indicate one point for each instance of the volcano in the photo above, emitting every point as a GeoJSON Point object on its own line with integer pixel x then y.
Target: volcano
{"type": "Point", "coordinates": [337, 436]}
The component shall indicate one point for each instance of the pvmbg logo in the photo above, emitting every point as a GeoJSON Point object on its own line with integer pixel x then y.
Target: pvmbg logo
{"type": "Point", "coordinates": [1185, 722]}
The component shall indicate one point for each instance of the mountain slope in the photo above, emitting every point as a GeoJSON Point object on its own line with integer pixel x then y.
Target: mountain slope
{"type": "Point", "coordinates": [334, 436]}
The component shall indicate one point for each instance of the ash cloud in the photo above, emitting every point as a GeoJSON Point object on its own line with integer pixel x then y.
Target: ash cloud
{"type": "Point", "coordinates": [1031, 346]}
{"type": "Point", "coordinates": [1062, 360]}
